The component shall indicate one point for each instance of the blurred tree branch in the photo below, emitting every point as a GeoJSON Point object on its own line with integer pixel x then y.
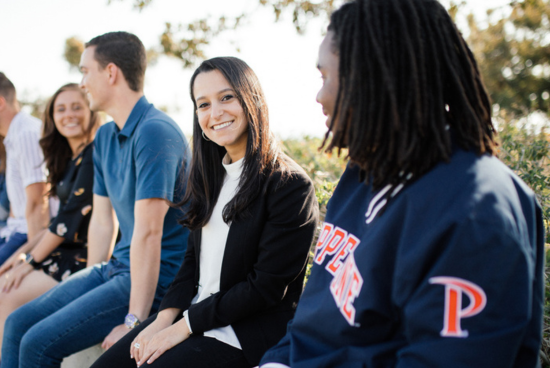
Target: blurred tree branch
{"type": "Point", "coordinates": [73, 49]}
{"type": "Point", "coordinates": [187, 41]}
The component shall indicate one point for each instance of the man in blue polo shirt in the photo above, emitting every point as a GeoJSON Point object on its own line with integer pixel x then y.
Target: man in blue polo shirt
{"type": "Point", "coordinates": [139, 160]}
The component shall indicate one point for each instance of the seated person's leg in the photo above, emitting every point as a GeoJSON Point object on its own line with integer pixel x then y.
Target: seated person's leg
{"type": "Point", "coordinates": [74, 315]}
{"type": "Point", "coordinates": [197, 351]}
{"type": "Point", "coordinates": [9, 247]}
{"type": "Point", "coordinates": [201, 352]}
{"type": "Point", "coordinates": [33, 285]}
{"type": "Point", "coordinates": [118, 356]}
{"type": "Point", "coordinates": [19, 322]}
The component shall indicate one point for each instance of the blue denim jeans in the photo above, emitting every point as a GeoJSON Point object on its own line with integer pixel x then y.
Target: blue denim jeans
{"type": "Point", "coordinates": [74, 315]}
{"type": "Point", "coordinates": [8, 247]}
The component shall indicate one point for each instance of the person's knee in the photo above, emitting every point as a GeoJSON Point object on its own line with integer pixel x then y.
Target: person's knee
{"type": "Point", "coordinates": [13, 331]}
{"type": "Point", "coordinates": [32, 346]}
{"type": "Point", "coordinates": [17, 323]}
{"type": "Point", "coordinates": [28, 344]}
{"type": "Point", "coordinates": [12, 327]}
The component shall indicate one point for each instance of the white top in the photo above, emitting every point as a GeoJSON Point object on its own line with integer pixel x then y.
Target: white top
{"type": "Point", "coordinates": [24, 166]}
{"type": "Point", "coordinates": [213, 240]}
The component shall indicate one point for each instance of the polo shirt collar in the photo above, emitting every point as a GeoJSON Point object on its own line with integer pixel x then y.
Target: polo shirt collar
{"type": "Point", "coordinates": [140, 108]}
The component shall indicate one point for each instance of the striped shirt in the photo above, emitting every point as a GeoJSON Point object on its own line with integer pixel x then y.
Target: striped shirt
{"type": "Point", "coordinates": [24, 165]}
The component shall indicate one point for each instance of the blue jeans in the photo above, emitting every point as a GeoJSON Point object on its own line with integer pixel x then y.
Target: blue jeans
{"type": "Point", "coordinates": [74, 315]}
{"type": "Point", "coordinates": [7, 248]}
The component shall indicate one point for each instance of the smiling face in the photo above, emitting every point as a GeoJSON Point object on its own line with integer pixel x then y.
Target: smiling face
{"type": "Point", "coordinates": [71, 115]}
{"type": "Point", "coordinates": [220, 114]}
{"type": "Point", "coordinates": [328, 65]}
{"type": "Point", "coordinates": [95, 80]}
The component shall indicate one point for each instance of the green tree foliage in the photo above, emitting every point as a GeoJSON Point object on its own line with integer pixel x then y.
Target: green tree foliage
{"type": "Point", "coordinates": [73, 49]}
{"type": "Point", "coordinates": [325, 171]}
{"type": "Point", "coordinates": [528, 155]}
{"type": "Point", "coordinates": [187, 41]}
{"type": "Point", "coordinates": [138, 4]}
{"type": "Point", "coordinates": [513, 51]}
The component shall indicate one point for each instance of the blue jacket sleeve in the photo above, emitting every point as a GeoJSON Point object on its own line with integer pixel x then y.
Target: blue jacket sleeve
{"type": "Point", "coordinates": [479, 289]}
{"type": "Point", "coordinates": [280, 353]}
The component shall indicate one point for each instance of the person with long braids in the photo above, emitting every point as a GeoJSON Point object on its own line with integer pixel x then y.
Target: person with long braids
{"type": "Point", "coordinates": [252, 212]}
{"type": "Point", "coordinates": [67, 142]}
{"type": "Point", "coordinates": [432, 250]}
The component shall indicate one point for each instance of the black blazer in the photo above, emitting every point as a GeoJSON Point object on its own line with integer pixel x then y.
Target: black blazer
{"type": "Point", "coordinates": [263, 266]}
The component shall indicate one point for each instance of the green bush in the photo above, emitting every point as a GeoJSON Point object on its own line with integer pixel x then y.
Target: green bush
{"type": "Point", "coordinates": [325, 171]}
{"type": "Point", "coordinates": [527, 153]}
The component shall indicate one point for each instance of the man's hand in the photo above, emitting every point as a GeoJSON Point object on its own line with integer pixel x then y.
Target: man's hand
{"type": "Point", "coordinates": [116, 334]}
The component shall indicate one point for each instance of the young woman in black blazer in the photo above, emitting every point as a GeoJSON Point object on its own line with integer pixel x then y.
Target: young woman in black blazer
{"type": "Point", "coordinates": [252, 212]}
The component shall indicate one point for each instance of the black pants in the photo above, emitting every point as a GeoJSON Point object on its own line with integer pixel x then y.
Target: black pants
{"type": "Point", "coordinates": [196, 352]}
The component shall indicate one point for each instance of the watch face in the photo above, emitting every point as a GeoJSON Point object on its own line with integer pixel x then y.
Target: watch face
{"type": "Point", "coordinates": [131, 321]}
{"type": "Point", "coordinates": [29, 258]}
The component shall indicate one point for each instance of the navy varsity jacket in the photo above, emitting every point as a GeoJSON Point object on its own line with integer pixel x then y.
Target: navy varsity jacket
{"type": "Point", "coordinates": [449, 274]}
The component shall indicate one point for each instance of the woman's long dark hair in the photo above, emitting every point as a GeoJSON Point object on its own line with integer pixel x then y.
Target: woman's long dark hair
{"type": "Point", "coordinates": [407, 80]}
{"type": "Point", "coordinates": [56, 148]}
{"type": "Point", "coordinates": [262, 158]}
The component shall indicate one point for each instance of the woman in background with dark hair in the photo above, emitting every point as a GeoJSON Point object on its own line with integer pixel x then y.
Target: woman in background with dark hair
{"type": "Point", "coordinates": [68, 131]}
{"type": "Point", "coordinates": [252, 212]}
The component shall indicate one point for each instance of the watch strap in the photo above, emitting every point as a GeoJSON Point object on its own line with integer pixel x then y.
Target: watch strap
{"type": "Point", "coordinates": [30, 260]}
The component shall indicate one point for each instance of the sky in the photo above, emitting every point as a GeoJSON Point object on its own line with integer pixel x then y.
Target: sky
{"type": "Point", "coordinates": [34, 33]}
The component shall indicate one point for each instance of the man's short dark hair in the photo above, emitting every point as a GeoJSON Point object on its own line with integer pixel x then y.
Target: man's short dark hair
{"type": "Point", "coordinates": [126, 51]}
{"type": "Point", "coordinates": [7, 89]}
